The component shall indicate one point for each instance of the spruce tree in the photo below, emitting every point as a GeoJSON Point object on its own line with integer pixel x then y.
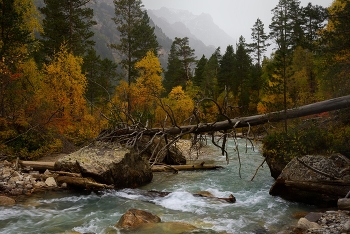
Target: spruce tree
{"type": "Point", "coordinates": [67, 22]}
{"type": "Point", "coordinates": [259, 37]}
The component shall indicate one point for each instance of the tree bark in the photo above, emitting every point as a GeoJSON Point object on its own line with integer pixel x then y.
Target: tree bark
{"type": "Point", "coordinates": [315, 108]}
{"type": "Point", "coordinates": [80, 182]}
{"type": "Point", "coordinates": [38, 165]}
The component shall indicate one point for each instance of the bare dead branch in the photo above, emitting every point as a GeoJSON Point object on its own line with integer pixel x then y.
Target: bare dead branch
{"type": "Point", "coordinates": [257, 169]}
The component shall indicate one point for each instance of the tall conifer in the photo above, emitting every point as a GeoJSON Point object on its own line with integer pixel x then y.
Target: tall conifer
{"type": "Point", "coordinates": [67, 22]}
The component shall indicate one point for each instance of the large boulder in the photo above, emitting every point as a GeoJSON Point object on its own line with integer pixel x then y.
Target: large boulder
{"type": "Point", "coordinates": [311, 179]}
{"type": "Point", "coordinates": [108, 163]}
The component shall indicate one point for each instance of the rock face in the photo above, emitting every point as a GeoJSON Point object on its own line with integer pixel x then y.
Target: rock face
{"type": "Point", "coordinates": [276, 165]}
{"type": "Point", "coordinates": [318, 180]}
{"type": "Point", "coordinates": [133, 218]}
{"type": "Point", "coordinates": [108, 163]}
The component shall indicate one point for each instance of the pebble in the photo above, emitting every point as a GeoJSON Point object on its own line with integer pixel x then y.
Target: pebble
{"type": "Point", "coordinates": [332, 222]}
{"type": "Point", "coordinates": [15, 183]}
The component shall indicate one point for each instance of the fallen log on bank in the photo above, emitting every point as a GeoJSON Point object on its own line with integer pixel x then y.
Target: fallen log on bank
{"type": "Point", "coordinates": [80, 182]}
{"type": "Point", "coordinates": [37, 165]}
{"type": "Point", "coordinates": [167, 168]}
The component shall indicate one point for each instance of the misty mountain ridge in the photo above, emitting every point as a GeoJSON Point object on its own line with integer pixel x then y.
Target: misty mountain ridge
{"type": "Point", "coordinates": [169, 24]}
{"type": "Point", "coordinates": [201, 26]}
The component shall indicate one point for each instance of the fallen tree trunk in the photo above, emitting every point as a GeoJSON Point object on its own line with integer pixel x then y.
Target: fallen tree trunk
{"type": "Point", "coordinates": [315, 108]}
{"type": "Point", "coordinates": [37, 165]}
{"type": "Point", "coordinates": [80, 182]}
{"type": "Point", "coordinates": [165, 168]}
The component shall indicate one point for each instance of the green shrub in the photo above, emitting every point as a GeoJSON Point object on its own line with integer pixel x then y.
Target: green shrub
{"type": "Point", "coordinates": [309, 138]}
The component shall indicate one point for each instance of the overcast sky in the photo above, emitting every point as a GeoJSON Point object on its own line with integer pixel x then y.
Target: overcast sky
{"type": "Point", "coordinates": [236, 17]}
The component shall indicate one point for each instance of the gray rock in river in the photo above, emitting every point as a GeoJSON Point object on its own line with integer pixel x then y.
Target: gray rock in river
{"type": "Point", "coordinates": [108, 163]}
{"type": "Point", "coordinates": [311, 179]}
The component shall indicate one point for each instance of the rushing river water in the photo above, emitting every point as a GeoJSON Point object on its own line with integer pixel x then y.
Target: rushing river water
{"type": "Point", "coordinates": [254, 212]}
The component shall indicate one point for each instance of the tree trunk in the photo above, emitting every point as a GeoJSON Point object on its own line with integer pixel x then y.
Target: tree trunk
{"type": "Point", "coordinates": [80, 182]}
{"type": "Point", "coordinates": [37, 165]}
{"type": "Point", "coordinates": [315, 108]}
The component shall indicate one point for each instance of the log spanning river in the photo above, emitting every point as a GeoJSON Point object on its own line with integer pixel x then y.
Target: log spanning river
{"type": "Point", "coordinates": [254, 212]}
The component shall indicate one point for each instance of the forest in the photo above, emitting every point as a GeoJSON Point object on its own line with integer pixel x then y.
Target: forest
{"type": "Point", "coordinates": [57, 92]}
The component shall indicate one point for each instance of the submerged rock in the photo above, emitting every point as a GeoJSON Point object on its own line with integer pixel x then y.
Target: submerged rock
{"type": "Point", "coordinates": [134, 218]}
{"type": "Point", "coordinates": [5, 201]}
{"type": "Point", "coordinates": [318, 180]}
{"type": "Point", "coordinates": [167, 227]}
{"type": "Point", "coordinates": [108, 163]}
{"type": "Point", "coordinates": [135, 221]}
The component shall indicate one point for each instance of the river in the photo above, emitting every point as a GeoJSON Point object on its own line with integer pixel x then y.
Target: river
{"type": "Point", "coordinates": [254, 212]}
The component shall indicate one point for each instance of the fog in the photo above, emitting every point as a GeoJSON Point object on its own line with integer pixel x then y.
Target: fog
{"type": "Point", "coordinates": [235, 17]}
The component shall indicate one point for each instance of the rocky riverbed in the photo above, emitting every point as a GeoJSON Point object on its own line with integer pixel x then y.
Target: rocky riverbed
{"type": "Point", "coordinates": [329, 222]}
{"type": "Point", "coordinates": [15, 181]}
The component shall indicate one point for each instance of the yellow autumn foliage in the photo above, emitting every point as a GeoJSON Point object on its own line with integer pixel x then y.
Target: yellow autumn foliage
{"type": "Point", "coordinates": [62, 91]}
{"type": "Point", "coordinates": [178, 104]}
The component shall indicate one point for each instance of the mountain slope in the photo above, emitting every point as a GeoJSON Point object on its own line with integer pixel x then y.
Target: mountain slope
{"type": "Point", "coordinates": [106, 33]}
{"type": "Point", "coordinates": [201, 26]}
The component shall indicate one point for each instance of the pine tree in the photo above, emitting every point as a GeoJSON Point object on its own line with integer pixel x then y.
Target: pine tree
{"type": "Point", "coordinates": [100, 74]}
{"type": "Point", "coordinates": [336, 39]}
{"type": "Point", "coordinates": [242, 70]}
{"type": "Point", "coordinates": [259, 37]}
{"type": "Point", "coordinates": [180, 61]}
{"type": "Point", "coordinates": [67, 22]}
{"type": "Point", "coordinates": [285, 30]}
{"type": "Point", "coordinates": [314, 19]}
{"type": "Point", "coordinates": [198, 75]}
{"type": "Point", "coordinates": [18, 23]}
{"type": "Point", "coordinates": [128, 16]}
{"type": "Point", "coordinates": [226, 72]}
{"type": "Point", "coordinates": [145, 38]}
{"type": "Point", "coordinates": [210, 82]}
